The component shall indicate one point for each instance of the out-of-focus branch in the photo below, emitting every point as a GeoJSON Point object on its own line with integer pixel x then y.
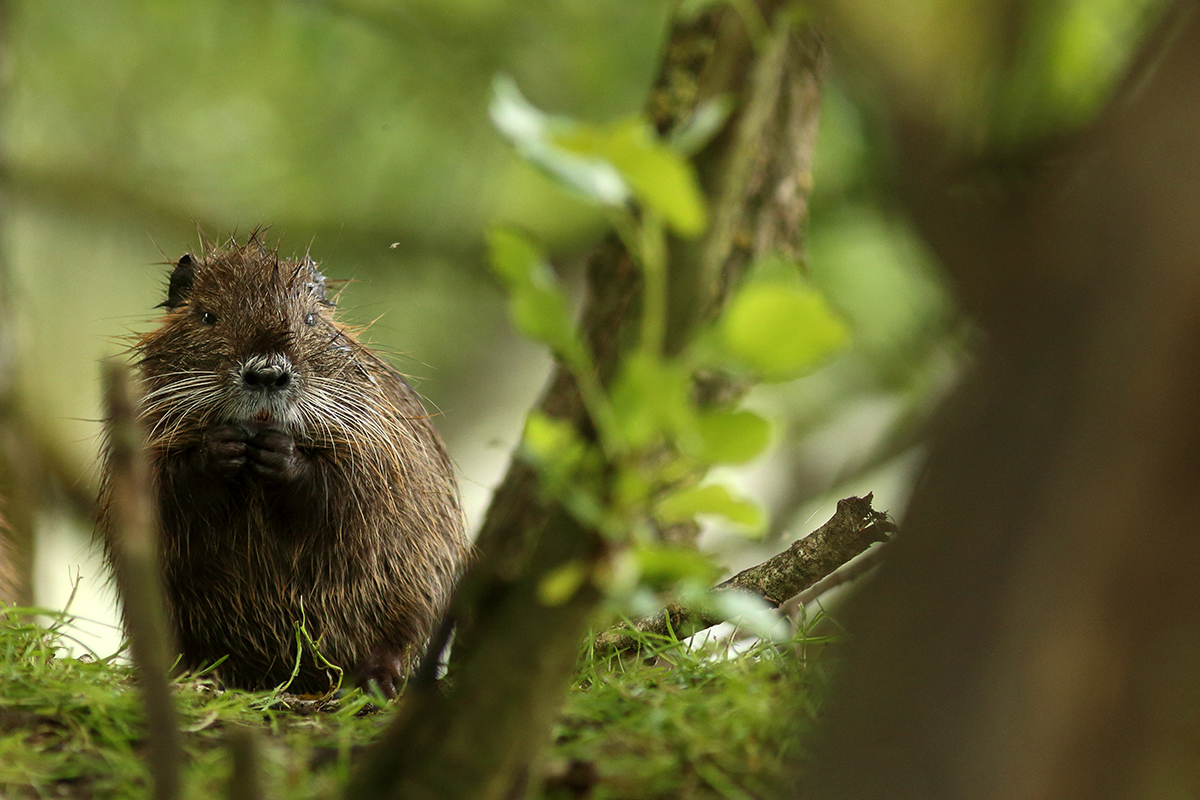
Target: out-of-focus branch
{"type": "Point", "coordinates": [16, 506]}
{"type": "Point", "coordinates": [245, 779]}
{"type": "Point", "coordinates": [133, 531]}
{"type": "Point", "coordinates": [1034, 633]}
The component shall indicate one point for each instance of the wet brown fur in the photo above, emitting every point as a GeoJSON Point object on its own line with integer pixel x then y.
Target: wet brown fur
{"type": "Point", "coordinates": [334, 494]}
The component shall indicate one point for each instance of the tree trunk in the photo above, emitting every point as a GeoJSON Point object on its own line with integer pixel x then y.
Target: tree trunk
{"type": "Point", "coordinates": [17, 507]}
{"type": "Point", "coordinates": [1035, 633]}
{"type": "Point", "coordinates": [514, 655]}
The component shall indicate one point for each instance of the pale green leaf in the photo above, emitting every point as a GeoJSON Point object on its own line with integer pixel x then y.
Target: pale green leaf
{"type": "Point", "coordinates": [630, 490]}
{"type": "Point", "coordinates": [537, 305]}
{"type": "Point", "coordinates": [548, 441]}
{"type": "Point", "coordinates": [568, 466]}
{"type": "Point", "coordinates": [781, 329]}
{"type": "Point", "coordinates": [532, 133]}
{"type": "Point", "coordinates": [605, 164]}
{"type": "Point", "coordinates": [711, 499]}
{"type": "Point", "coordinates": [512, 256]}
{"type": "Point", "coordinates": [662, 179]}
{"type": "Point", "coordinates": [651, 400]}
{"type": "Point", "coordinates": [732, 437]}
{"type": "Point", "coordinates": [543, 316]}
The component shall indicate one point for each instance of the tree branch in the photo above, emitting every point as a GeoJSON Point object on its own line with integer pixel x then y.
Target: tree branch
{"type": "Point", "coordinates": [853, 528]}
{"type": "Point", "coordinates": [514, 653]}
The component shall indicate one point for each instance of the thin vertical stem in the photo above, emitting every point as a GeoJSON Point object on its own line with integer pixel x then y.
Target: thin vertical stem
{"type": "Point", "coordinates": [134, 526]}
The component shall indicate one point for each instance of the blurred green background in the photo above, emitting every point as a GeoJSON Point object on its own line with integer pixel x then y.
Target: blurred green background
{"type": "Point", "coordinates": [357, 129]}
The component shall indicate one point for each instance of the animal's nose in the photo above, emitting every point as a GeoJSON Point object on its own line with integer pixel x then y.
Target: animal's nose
{"type": "Point", "coordinates": [266, 375]}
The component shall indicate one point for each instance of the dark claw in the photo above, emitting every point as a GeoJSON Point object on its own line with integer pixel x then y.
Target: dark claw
{"type": "Point", "coordinates": [273, 454]}
{"type": "Point", "coordinates": [384, 670]}
{"type": "Point", "coordinates": [224, 449]}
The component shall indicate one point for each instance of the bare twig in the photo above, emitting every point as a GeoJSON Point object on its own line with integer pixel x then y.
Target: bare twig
{"type": "Point", "coordinates": [859, 567]}
{"type": "Point", "coordinates": [245, 780]}
{"type": "Point", "coordinates": [854, 527]}
{"type": "Point", "coordinates": [133, 523]}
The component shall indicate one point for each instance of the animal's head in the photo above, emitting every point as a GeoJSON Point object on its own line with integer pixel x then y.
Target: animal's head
{"type": "Point", "coordinates": [250, 338]}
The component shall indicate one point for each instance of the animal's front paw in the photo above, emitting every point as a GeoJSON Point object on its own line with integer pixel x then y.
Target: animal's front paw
{"type": "Point", "coordinates": [273, 454]}
{"type": "Point", "coordinates": [224, 449]}
{"type": "Point", "coordinates": [383, 668]}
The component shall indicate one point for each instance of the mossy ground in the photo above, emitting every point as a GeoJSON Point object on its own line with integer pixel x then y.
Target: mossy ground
{"type": "Point", "coordinates": [685, 724]}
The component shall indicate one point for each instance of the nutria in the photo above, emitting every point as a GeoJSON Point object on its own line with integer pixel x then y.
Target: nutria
{"type": "Point", "coordinates": [297, 476]}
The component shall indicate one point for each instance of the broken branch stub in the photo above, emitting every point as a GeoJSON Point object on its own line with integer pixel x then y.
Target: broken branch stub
{"type": "Point", "coordinates": [853, 528]}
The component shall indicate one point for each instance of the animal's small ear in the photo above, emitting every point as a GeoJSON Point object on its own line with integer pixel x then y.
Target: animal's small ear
{"type": "Point", "coordinates": [316, 282]}
{"type": "Point", "coordinates": [182, 277]}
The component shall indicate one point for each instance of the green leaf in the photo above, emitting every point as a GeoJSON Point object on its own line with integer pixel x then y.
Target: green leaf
{"type": "Point", "coordinates": [536, 304]}
{"type": "Point", "coordinates": [663, 565]}
{"type": "Point", "coordinates": [732, 437]}
{"type": "Point", "coordinates": [780, 329]}
{"type": "Point", "coordinates": [630, 490]}
{"type": "Point", "coordinates": [606, 164]}
{"type": "Point", "coordinates": [651, 400]}
{"type": "Point", "coordinates": [543, 316]}
{"type": "Point", "coordinates": [661, 178]}
{"type": "Point", "coordinates": [548, 442]}
{"type": "Point", "coordinates": [568, 467]}
{"type": "Point", "coordinates": [513, 257]}
{"type": "Point", "coordinates": [711, 499]}
{"type": "Point", "coordinates": [531, 132]}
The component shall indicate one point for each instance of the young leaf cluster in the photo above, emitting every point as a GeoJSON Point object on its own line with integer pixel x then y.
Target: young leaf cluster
{"type": "Point", "coordinates": [654, 441]}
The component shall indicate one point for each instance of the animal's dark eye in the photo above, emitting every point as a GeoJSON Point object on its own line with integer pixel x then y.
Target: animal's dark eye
{"type": "Point", "coordinates": [310, 320]}
{"type": "Point", "coordinates": [208, 318]}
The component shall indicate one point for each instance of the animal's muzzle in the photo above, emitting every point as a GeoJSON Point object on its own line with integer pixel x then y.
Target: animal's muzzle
{"type": "Point", "coordinates": [271, 373]}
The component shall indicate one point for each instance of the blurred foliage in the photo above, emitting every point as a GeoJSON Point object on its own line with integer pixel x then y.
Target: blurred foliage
{"type": "Point", "coordinates": [309, 113]}
{"type": "Point", "coordinates": [655, 441]}
{"type": "Point", "coordinates": [998, 73]}
{"type": "Point", "coordinates": [359, 128]}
